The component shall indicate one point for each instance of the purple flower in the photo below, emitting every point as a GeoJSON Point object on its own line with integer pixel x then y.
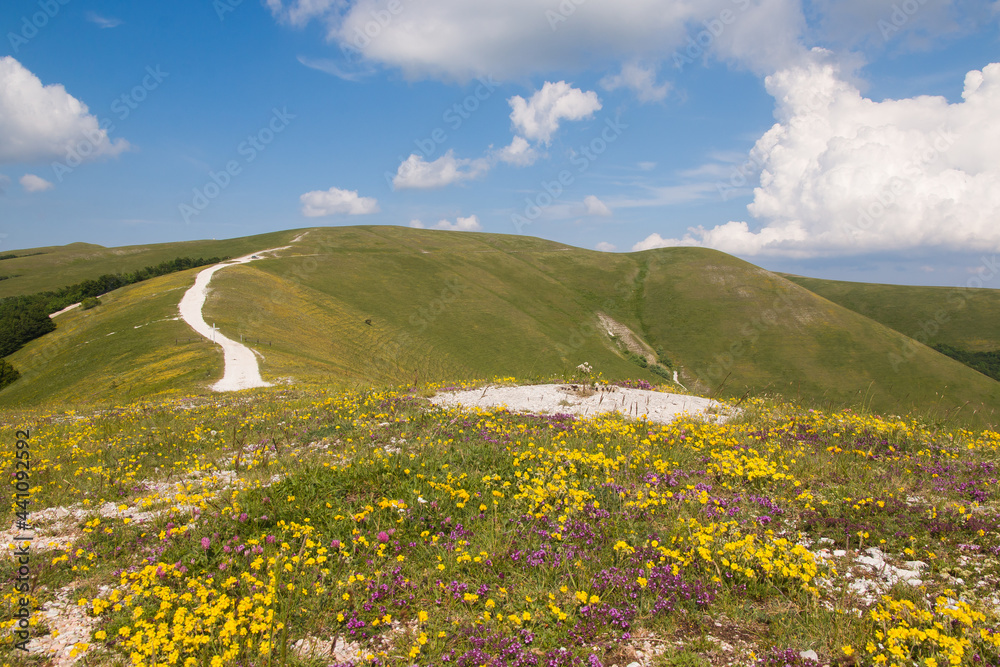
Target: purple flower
{"type": "Point", "coordinates": [205, 543]}
{"type": "Point", "coordinates": [383, 536]}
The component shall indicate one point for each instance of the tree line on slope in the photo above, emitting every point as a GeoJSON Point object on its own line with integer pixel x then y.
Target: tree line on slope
{"type": "Point", "coordinates": [987, 363]}
{"type": "Point", "coordinates": [25, 318]}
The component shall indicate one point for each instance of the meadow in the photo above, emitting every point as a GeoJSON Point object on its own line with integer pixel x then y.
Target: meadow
{"type": "Point", "coordinates": [301, 526]}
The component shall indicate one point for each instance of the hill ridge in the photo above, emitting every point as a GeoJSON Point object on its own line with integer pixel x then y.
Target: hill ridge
{"type": "Point", "coordinates": [441, 305]}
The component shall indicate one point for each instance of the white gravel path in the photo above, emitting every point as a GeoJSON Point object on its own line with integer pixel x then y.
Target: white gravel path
{"type": "Point", "coordinates": [580, 400]}
{"type": "Point", "coordinates": [242, 371]}
{"type": "Point", "coordinates": [64, 310]}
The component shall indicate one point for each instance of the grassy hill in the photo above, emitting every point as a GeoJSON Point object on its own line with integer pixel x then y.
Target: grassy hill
{"type": "Point", "coordinates": [460, 306]}
{"type": "Point", "coordinates": [123, 349]}
{"type": "Point", "coordinates": [42, 269]}
{"type": "Point", "coordinates": [968, 319]}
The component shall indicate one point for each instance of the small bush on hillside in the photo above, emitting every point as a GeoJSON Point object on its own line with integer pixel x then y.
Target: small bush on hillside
{"type": "Point", "coordinates": [661, 371]}
{"type": "Point", "coordinates": [90, 302]}
{"type": "Point", "coordinates": [8, 373]}
{"type": "Point", "coordinates": [638, 359]}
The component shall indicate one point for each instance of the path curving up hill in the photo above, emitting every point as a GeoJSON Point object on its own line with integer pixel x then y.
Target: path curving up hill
{"type": "Point", "coordinates": [242, 370]}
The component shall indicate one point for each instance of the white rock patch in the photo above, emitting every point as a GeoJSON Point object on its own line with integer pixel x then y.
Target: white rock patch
{"type": "Point", "coordinates": [584, 401]}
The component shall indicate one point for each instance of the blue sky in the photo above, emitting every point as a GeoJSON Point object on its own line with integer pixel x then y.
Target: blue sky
{"type": "Point", "coordinates": [856, 139]}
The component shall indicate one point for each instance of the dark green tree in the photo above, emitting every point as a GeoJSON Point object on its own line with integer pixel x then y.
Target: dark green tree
{"type": "Point", "coordinates": [7, 373]}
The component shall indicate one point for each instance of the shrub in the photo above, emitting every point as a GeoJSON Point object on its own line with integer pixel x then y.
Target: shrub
{"type": "Point", "coordinates": [8, 373]}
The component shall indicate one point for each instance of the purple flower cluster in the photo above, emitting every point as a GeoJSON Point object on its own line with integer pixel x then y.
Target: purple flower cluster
{"type": "Point", "coordinates": [496, 649]}
{"type": "Point", "coordinates": [784, 658]}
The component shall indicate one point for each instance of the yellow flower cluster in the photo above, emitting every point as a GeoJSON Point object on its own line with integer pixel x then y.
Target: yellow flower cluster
{"type": "Point", "coordinates": [945, 634]}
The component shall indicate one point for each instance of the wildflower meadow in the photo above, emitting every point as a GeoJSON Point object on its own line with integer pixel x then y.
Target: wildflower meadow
{"type": "Point", "coordinates": [311, 527]}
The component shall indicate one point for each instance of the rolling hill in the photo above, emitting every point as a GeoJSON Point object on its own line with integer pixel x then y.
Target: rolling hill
{"type": "Point", "coordinates": [966, 318]}
{"type": "Point", "coordinates": [353, 306]}
{"type": "Point", "coordinates": [49, 268]}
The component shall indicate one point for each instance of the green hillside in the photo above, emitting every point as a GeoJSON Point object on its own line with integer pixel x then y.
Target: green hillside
{"type": "Point", "coordinates": [42, 269]}
{"type": "Point", "coordinates": [965, 318]}
{"type": "Point", "coordinates": [126, 348]}
{"type": "Point", "coordinates": [352, 306]}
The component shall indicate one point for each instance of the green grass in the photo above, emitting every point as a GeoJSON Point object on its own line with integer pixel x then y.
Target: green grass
{"type": "Point", "coordinates": [751, 330]}
{"type": "Point", "coordinates": [49, 268]}
{"type": "Point", "coordinates": [455, 306]}
{"type": "Point", "coordinates": [124, 349]}
{"type": "Point", "coordinates": [962, 317]}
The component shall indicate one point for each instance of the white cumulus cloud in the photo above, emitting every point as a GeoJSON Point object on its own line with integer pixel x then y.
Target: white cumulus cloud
{"type": "Point", "coordinates": [336, 202]}
{"type": "Point", "coordinates": [519, 153]}
{"type": "Point", "coordinates": [32, 183]}
{"type": "Point", "coordinates": [417, 173]}
{"type": "Point", "coordinates": [458, 39]}
{"type": "Point", "coordinates": [844, 174]}
{"type": "Point", "coordinates": [595, 206]}
{"type": "Point", "coordinates": [469, 224]}
{"type": "Point", "coordinates": [604, 246]}
{"type": "Point", "coordinates": [640, 80]}
{"type": "Point", "coordinates": [45, 122]}
{"type": "Point", "coordinates": [538, 117]}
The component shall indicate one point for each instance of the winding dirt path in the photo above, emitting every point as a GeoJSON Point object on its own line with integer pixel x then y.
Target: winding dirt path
{"type": "Point", "coordinates": [242, 370]}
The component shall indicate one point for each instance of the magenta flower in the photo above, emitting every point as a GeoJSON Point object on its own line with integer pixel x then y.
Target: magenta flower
{"type": "Point", "coordinates": [383, 536]}
{"type": "Point", "coordinates": [205, 543]}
